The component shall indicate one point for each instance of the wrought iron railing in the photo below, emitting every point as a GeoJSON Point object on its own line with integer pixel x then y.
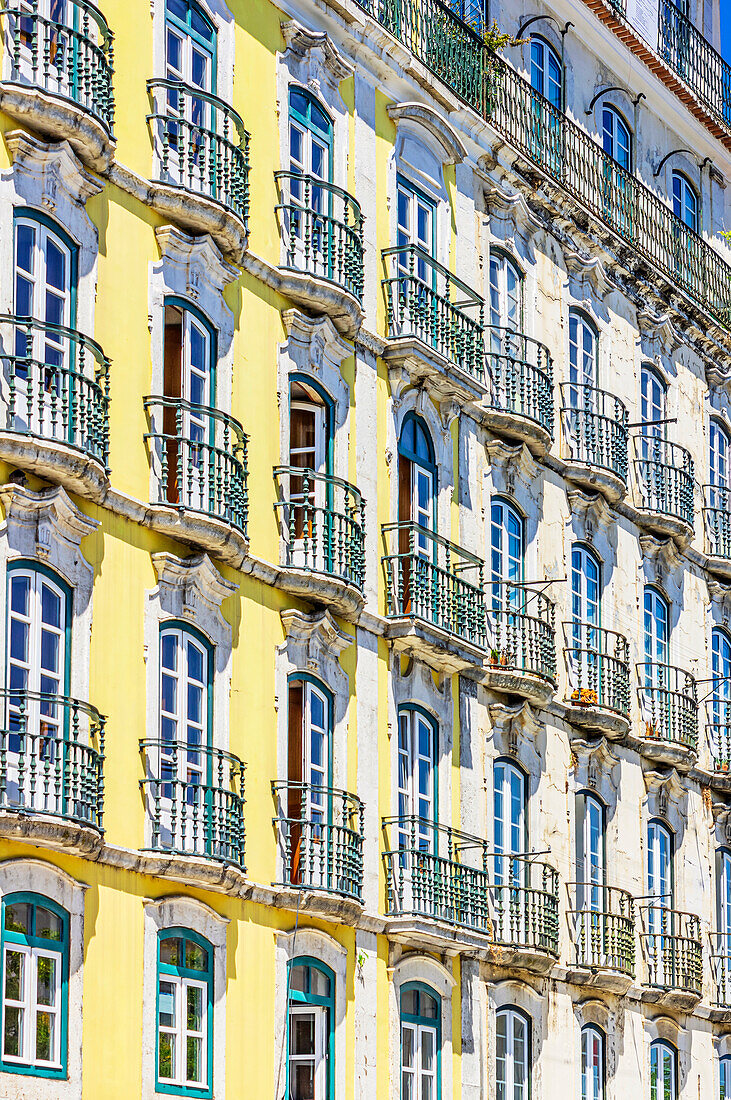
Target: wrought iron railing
{"type": "Point", "coordinates": [668, 705]}
{"type": "Point", "coordinates": [427, 578]}
{"type": "Point", "coordinates": [692, 57]}
{"type": "Point", "coordinates": [200, 144]}
{"type": "Point", "coordinates": [520, 376]}
{"type": "Point", "coordinates": [673, 950]}
{"type": "Point", "coordinates": [68, 52]}
{"type": "Point", "coordinates": [194, 799]}
{"type": "Point", "coordinates": [522, 635]}
{"type": "Point", "coordinates": [721, 968]}
{"type": "Point", "coordinates": [321, 835]}
{"type": "Point", "coordinates": [199, 459]}
{"type": "Point", "coordinates": [525, 904]}
{"type": "Point", "coordinates": [436, 872]}
{"type": "Point", "coordinates": [597, 663]}
{"type": "Point", "coordinates": [51, 757]}
{"type": "Point", "coordinates": [602, 921]}
{"type": "Point", "coordinates": [322, 523]}
{"type": "Point", "coordinates": [426, 301]}
{"type": "Point", "coordinates": [56, 385]}
{"type": "Point", "coordinates": [322, 230]}
{"type": "Point", "coordinates": [595, 428]}
{"type": "Point", "coordinates": [717, 516]}
{"type": "Point", "coordinates": [664, 476]}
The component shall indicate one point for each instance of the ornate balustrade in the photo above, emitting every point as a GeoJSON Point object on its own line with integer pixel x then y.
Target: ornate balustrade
{"type": "Point", "coordinates": [595, 429]}
{"type": "Point", "coordinates": [673, 950]}
{"type": "Point", "coordinates": [525, 904]}
{"type": "Point", "coordinates": [602, 921]}
{"type": "Point", "coordinates": [520, 380]}
{"type": "Point", "coordinates": [693, 58]}
{"type": "Point", "coordinates": [664, 477]}
{"type": "Point", "coordinates": [717, 516]}
{"type": "Point", "coordinates": [721, 968]}
{"type": "Point", "coordinates": [669, 706]}
{"type": "Point", "coordinates": [321, 834]}
{"type": "Point", "coordinates": [522, 635]}
{"type": "Point", "coordinates": [598, 667]}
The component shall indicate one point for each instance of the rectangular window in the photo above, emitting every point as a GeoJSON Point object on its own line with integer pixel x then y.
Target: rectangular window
{"type": "Point", "coordinates": [184, 997]}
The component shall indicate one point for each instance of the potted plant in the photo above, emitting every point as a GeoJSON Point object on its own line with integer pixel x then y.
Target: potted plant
{"type": "Point", "coordinates": [505, 657]}
{"type": "Point", "coordinates": [584, 697]}
{"type": "Point", "coordinates": [652, 730]}
{"type": "Point", "coordinates": [494, 657]}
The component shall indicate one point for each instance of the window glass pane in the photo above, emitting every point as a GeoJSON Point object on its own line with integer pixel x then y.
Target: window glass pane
{"type": "Point", "coordinates": [46, 981]}
{"type": "Point", "coordinates": [45, 1024]}
{"type": "Point", "coordinates": [14, 976]}
{"type": "Point", "coordinates": [13, 1037]}
{"type": "Point", "coordinates": [195, 662]}
{"type": "Point", "coordinates": [195, 1008]}
{"type": "Point", "coordinates": [196, 957]}
{"type": "Point", "coordinates": [428, 1007]}
{"type": "Point", "coordinates": [427, 1049]}
{"type": "Point", "coordinates": [166, 1055]}
{"type": "Point", "coordinates": [17, 917]}
{"type": "Point", "coordinates": [25, 240]}
{"type": "Point", "coordinates": [19, 592]}
{"type": "Point", "coordinates": [169, 652]}
{"type": "Point", "coordinates": [302, 1077]}
{"type": "Point", "coordinates": [48, 925]}
{"type": "Point", "coordinates": [194, 1067]}
{"type": "Point", "coordinates": [298, 978]}
{"type": "Point", "coordinates": [171, 951]}
{"type": "Point", "coordinates": [302, 1033]}
{"type": "Point", "coordinates": [407, 1046]}
{"type": "Point", "coordinates": [166, 1001]}
{"type": "Point", "coordinates": [319, 983]}
{"type": "Point", "coordinates": [409, 1002]}
{"type": "Point", "coordinates": [298, 102]}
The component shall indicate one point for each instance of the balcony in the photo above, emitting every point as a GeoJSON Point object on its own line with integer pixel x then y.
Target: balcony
{"type": "Point", "coordinates": [51, 769]}
{"type": "Point", "coordinates": [322, 537]}
{"type": "Point", "coordinates": [664, 474]}
{"type": "Point", "coordinates": [434, 874]}
{"type": "Point", "coordinates": [721, 975]}
{"type": "Point", "coordinates": [199, 476]}
{"type": "Point", "coordinates": [672, 946]}
{"type": "Point", "coordinates": [717, 519]}
{"type": "Point", "coordinates": [320, 834]}
{"type": "Point", "coordinates": [519, 401]}
{"type": "Point", "coordinates": [201, 158]}
{"type": "Point", "coordinates": [194, 800]}
{"type": "Point", "coordinates": [525, 913]}
{"type": "Point", "coordinates": [718, 732]}
{"type": "Point", "coordinates": [669, 714]}
{"type": "Point", "coordinates": [434, 598]}
{"type": "Point", "coordinates": [60, 81]}
{"type": "Point", "coordinates": [434, 323]}
{"type": "Point", "coordinates": [522, 644]}
{"type": "Point", "coordinates": [55, 389]}
{"type": "Point", "coordinates": [597, 663]}
{"type": "Point", "coordinates": [693, 58]}
{"type": "Point", "coordinates": [602, 923]}
{"type": "Point", "coordinates": [321, 229]}
{"type": "Point", "coordinates": [595, 439]}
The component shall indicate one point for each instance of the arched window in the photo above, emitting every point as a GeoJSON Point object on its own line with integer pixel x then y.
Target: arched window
{"type": "Point", "coordinates": [310, 137]}
{"type": "Point", "coordinates": [656, 627]}
{"type": "Point", "coordinates": [546, 74]}
{"type": "Point", "coordinates": [184, 1011]}
{"type": "Point", "coordinates": [310, 518]}
{"type": "Point", "coordinates": [592, 1063]}
{"type": "Point", "coordinates": [724, 1078]}
{"type": "Point", "coordinates": [723, 887]}
{"type": "Point", "coordinates": [311, 1022]}
{"type": "Point", "coordinates": [512, 1055]}
{"type": "Point", "coordinates": [510, 825]}
{"type": "Point", "coordinates": [310, 244]}
{"type": "Point", "coordinates": [506, 295]}
{"type": "Point", "coordinates": [417, 777]}
{"type": "Point", "coordinates": [585, 653]}
{"type": "Point", "coordinates": [719, 452]}
{"type": "Point", "coordinates": [507, 553]}
{"type": "Point", "coordinates": [653, 403]}
{"type": "Point", "coordinates": [616, 137]}
{"type": "Point", "coordinates": [721, 695]}
{"type": "Point", "coordinates": [309, 795]}
{"type": "Point", "coordinates": [417, 477]}
{"type": "Point", "coordinates": [583, 358]}
{"type": "Point", "coordinates": [35, 945]}
{"type": "Point", "coordinates": [590, 851]}
{"type": "Point", "coordinates": [663, 1071]}
{"type": "Point", "coordinates": [660, 865]}
{"type": "Point", "coordinates": [420, 1043]}
{"type": "Point", "coordinates": [685, 201]}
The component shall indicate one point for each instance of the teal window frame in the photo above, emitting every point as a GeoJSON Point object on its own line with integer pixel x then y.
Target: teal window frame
{"type": "Point", "coordinates": [513, 1010]}
{"type": "Point", "coordinates": [7, 937]}
{"type": "Point", "coordinates": [187, 306]}
{"type": "Point", "coordinates": [298, 997]}
{"type": "Point", "coordinates": [26, 565]}
{"type": "Point", "coordinates": [429, 464]}
{"type": "Point", "coordinates": [185, 26]}
{"type": "Point", "coordinates": [307, 120]}
{"type": "Point", "coordinates": [428, 200]}
{"type": "Point", "coordinates": [306, 677]}
{"type": "Point", "coordinates": [311, 383]}
{"type": "Point", "coordinates": [419, 1020]}
{"type": "Point", "coordinates": [178, 932]}
{"type": "Point", "coordinates": [434, 723]}
{"type": "Point", "coordinates": [29, 213]}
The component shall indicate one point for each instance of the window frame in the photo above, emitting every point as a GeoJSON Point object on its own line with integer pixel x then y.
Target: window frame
{"type": "Point", "coordinates": [618, 120]}
{"type": "Point", "coordinates": [193, 976]}
{"type": "Point", "coordinates": [504, 260]}
{"type": "Point", "coordinates": [658, 599]}
{"type": "Point", "coordinates": [717, 430]}
{"type": "Point", "coordinates": [185, 27]}
{"type": "Point", "coordinates": [29, 215]}
{"type": "Point", "coordinates": [418, 1022]}
{"type": "Point", "coordinates": [314, 1000]}
{"type": "Point", "coordinates": [27, 565]}
{"type": "Point", "coordinates": [583, 799]}
{"type": "Point", "coordinates": [511, 1012]}
{"type": "Point", "coordinates": [664, 1045]}
{"type": "Point", "coordinates": [186, 628]}
{"type": "Point", "coordinates": [183, 304]}
{"type": "Point", "coordinates": [549, 53]}
{"type": "Point", "coordinates": [685, 188]}
{"type": "Point", "coordinates": [724, 1077]}
{"type": "Point", "coordinates": [428, 465]}
{"type": "Point", "coordinates": [411, 709]}
{"type": "Point", "coordinates": [659, 824]}
{"type": "Point", "coordinates": [306, 381]}
{"type": "Point", "coordinates": [598, 1034]}
{"type": "Point", "coordinates": [583, 322]}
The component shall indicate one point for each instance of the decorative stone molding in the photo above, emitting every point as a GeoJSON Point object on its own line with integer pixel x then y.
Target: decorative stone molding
{"type": "Point", "coordinates": [593, 1011]}
{"type": "Point", "coordinates": [192, 588]}
{"type": "Point", "coordinates": [595, 763]}
{"type": "Point", "coordinates": [57, 116]}
{"type": "Point", "coordinates": [590, 513]}
{"type": "Point", "coordinates": [588, 276]}
{"type": "Point", "coordinates": [722, 819]}
{"type": "Point", "coordinates": [658, 332]}
{"type": "Point", "coordinates": [53, 168]}
{"type": "Point", "coordinates": [510, 463]}
{"type": "Point", "coordinates": [453, 151]}
{"type": "Point", "coordinates": [316, 52]}
{"type": "Point", "coordinates": [514, 730]}
{"type": "Point", "coordinates": [47, 526]}
{"type": "Point", "coordinates": [198, 259]}
{"type": "Point", "coordinates": [662, 561]}
{"type": "Point", "coordinates": [667, 796]}
{"type": "Point", "coordinates": [720, 598]}
{"type": "Point", "coordinates": [314, 641]}
{"type": "Point", "coordinates": [511, 217]}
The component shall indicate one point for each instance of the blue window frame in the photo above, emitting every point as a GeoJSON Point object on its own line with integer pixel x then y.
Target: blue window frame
{"type": "Point", "coordinates": [190, 42]}
{"type": "Point", "coordinates": [417, 477]}
{"type": "Point", "coordinates": [507, 551]}
{"type": "Point", "coordinates": [546, 75]}
{"type": "Point", "coordinates": [417, 776]}
{"type": "Point", "coordinates": [510, 822]}
{"type": "Point", "coordinates": [35, 952]}
{"type": "Point", "coordinates": [421, 1043]}
{"type": "Point", "coordinates": [685, 201]}
{"type": "Point", "coordinates": [184, 1047]}
{"type": "Point", "coordinates": [310, 1030]}
{"type": "Point", "coordinates": [592, 1063]}
{"type": "Point", "coordinates": [616, 137]}
{"type": "Point", "coordinates": [663, 1071]}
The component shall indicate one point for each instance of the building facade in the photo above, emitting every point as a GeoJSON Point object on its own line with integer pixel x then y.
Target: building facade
{"type": "Point", "coordinates": [365, 429]}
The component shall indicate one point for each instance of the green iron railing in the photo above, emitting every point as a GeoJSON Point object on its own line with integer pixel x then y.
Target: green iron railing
{"type": "Point", "coordinates": [70, 54]}
{"type": "Point", "coordinates": [52, 757]}
{"type": "Point", "coordinates": [525, 904]}
{"type": "Point", "coordinates": [201, 144]}
{"type": "Point", "coordinates": [668, 705]}
{"type": "Point", "coordinates": [694, 59]}
{"type": "Point", "coordinates": [520, 374]}
{"type": "Point", "coordinates": [597, 662]}
{"type": "Point", "coordinates": [718, 733]}
{"type": "Point", "coordinates": [321, 836]}
{"type": "Point", "coordinates": [57, 385]}
{"type": "Point", "coordinates": [602, 920]}
{"type": "Point", "coordinates": [673, 950]}
{"type": "Point", "coordinates": [717, 516]}
{"type": "Point", "coordinates": [595, 428]}
{"type": "Point", "coordinates": [322, 523]}
{"type": "Point", "coordinates": [322, 230]}
{"type": "Point", "coordinates": [721, 968]}
{"type": "Point", "coordinates": [427, 579]}
{"type": "Point", "coordinates": [522, 631]}
{"type": "Point", "coordinates": [194, 799]}
{"type": "Point", "coordinates": [199, 459]}
{"type": "Point", "coordinates": [436, 872]}
{"type": "Point", "coordinates": [426, 301]}
{"type": "Point", "coordinates": [664, 476]}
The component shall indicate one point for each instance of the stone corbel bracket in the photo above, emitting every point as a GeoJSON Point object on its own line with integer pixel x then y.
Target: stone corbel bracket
{"type": "Point", "coordinates": [193, 586]}
{"type": "Point", "coordinates": [590, 513]}
{"type": "Point", "coordinates": [510, 464]}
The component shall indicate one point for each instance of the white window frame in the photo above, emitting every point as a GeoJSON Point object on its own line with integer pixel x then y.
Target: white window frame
{"type": "Point", "coordinates": [612, 134]}
{"type": "Point", "coordinates": [181, 1032]}
{"type": "Point", "coordinates": [665, 1085]}
{"type": "Point", "coordinates": [591, 1088]}
{"type": "Point", "coordinates": [410, 800]}
{"type": "Point", "coordinates": [416, 1071]}
{"type": "Point", "coordinates": [29, 1006]}
{"type": "Point", "coordinates": [319, 1058]}
{"type": "Point", "coordinates": [510, 1088]}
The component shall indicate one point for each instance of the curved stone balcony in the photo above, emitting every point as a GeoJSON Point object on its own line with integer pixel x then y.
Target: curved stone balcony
{"type": "Point", "coordinates": [51, 769]}
{"type": "Point", "coordinates": [597, 663]}
{"type": "Point", "coordinates": [201, 158]}
{"type": "Point", "coordinates": [668, 713]}
{"type": "Point", "coordinates": [602, 926]}
{"type": "Point", "coordinates": [193, 797]}
{"type": "Point", "coordinates": [321, 229]}
{"type": "Point", "coordinates": [199, 476]}
{"type": "Point", "coordinates": [320, 836]}
{"type": "Point", "coordinates": [55, 393]}
{"type": "Point", "coordinates": [519, 400]}
{"type": "Point", "coordinates": [434, 324]}
{"type": "Point", "coordinates": [717, 520]}
{"type": "Point", "coordinates": [595, 437]}
{"type": "Point", "coordinates": [58, 75]}
{"type": "Point", "coordinates": [521, 656]}
{"type": "Point", "coordinates": [434, 598]}
{"type": "Point", "coordinates": [664, 473]}
{"type": "Point", "coordinates": [322, 538]}
{"type": "Point", "coordinates": [671, 943]}
{"type": "Point", "coordinates": [524, 913]}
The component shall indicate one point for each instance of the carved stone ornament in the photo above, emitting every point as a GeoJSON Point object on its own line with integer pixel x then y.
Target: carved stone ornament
{"type": "Point", "coordinates": [453, 151]}
{"type": "Point", "coordinates": [198, 258]}
{"type": "Point", "coordinates": [658, 332]}
{"type": "Point", "coordinates": [191, 588]}
{"type": "Point", "coordinates": [722, 818]}
{"type": "Point", "coordinates": [510, 216]}
{"type": "Point", "coordinates": [510, 464]}
{"type": "Point", "coordinates": [514, 729]}
{"type": "Point", "coordinates": [313, 343]}
{"type": "Point", "coordinates": [317, 51]}
{"type": "Point", "coordinates": [662, 561]}
{"type": "Point", "coordinates": [313, 641]}
{"type": "Point", "coordinates": [46, 525]}
{"type": "Point", "coordinates": [53, 167]}
{"type": "Point", "coordinates": [667, 796]}
{"type": "Point", "coordinates": [589, 513]}
{"type": "Point", "coordinates": [721, 597]}
{"type": "Point", "coordinates": [595, 761]}
{"type": "Point", "coordinates": [587, 276]}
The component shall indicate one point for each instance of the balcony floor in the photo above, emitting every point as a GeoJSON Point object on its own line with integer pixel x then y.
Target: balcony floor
{"type": "Point", "coordinates": [597, 719]}
{"type": "Point", "coordinates": [596, 479]}
{"type": "Point", "coordinates": [59, 119]}
{"type": "Point", "coordinates": [438, 648]}
{"type": "Point", "coordinates": [512, 681]}
{"type": "Point", "coordinates": [517, 428]}
{"type": "Point", "coordinates": [422, 364]}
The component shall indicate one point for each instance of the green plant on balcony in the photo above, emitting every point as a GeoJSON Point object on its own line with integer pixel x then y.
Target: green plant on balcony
{"type": "Point", "coordinates": [584, 697]}
{"type": "Point", "coordinates": [652, 730]}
